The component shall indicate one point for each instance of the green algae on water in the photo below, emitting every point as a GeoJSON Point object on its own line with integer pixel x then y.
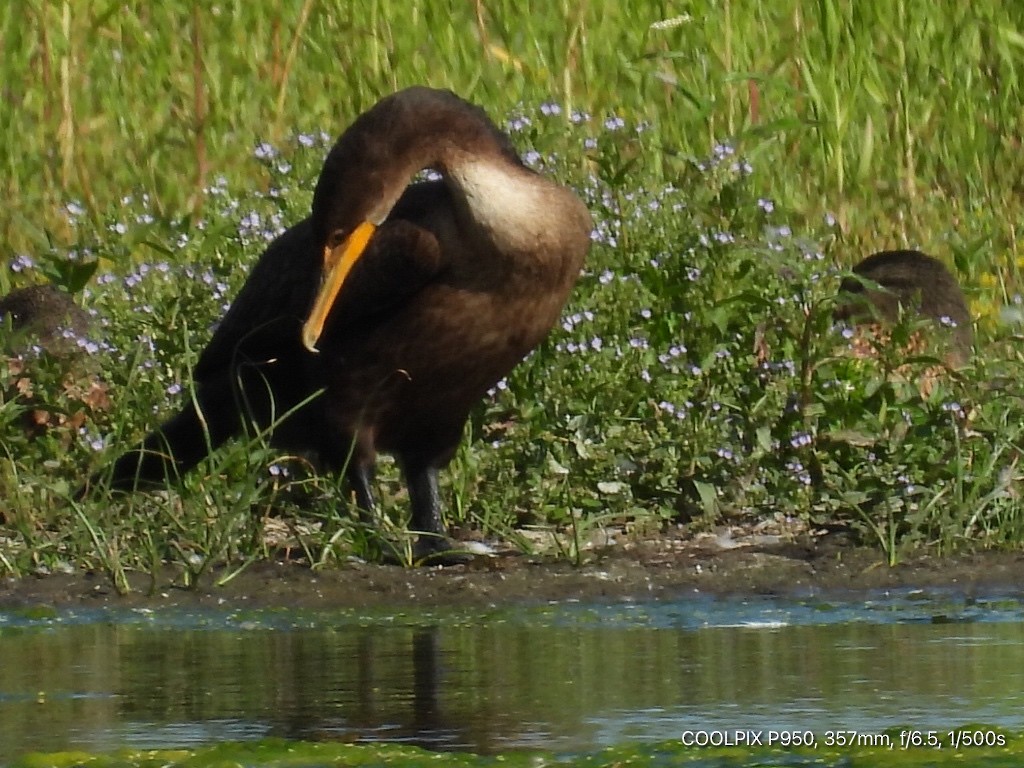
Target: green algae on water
{"type": "Point", "coordinates": [1008, 750]}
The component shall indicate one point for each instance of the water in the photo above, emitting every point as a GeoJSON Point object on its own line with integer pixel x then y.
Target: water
{"type": "Point", "coordinates": [564, 677]}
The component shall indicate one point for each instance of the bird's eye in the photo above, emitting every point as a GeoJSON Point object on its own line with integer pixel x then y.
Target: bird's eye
{"type": "Point", "coordinates": [337, 238]}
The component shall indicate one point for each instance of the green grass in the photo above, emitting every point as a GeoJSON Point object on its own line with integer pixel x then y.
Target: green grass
{"type": "Point", "coordinates": [695, 377]}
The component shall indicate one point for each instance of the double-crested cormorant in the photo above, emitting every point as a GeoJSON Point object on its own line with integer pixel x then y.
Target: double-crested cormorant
{"type": "Point", "coordinates": [915, 282]}
{"type": "Point", "coordinates": [423, 297]}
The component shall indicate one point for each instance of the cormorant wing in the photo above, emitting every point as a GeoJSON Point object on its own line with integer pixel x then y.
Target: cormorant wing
{"type": "Point", "coordinates": [268, 313]}
{"type": "Point", "coordinates": [403, 257]}
{"type": "Point", "coordinates": [265, 320]}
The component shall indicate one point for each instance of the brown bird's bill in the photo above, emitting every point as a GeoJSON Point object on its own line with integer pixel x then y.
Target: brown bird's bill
{"type": "Point", "coordinates": [338, 262]}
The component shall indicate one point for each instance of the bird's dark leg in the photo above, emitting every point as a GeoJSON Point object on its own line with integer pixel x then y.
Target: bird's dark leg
{"type": "Point", "coordinates": [425, 500]}
{"type": "Point", "coordinates": [433, 547]}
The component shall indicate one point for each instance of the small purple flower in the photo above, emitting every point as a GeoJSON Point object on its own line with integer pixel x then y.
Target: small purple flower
{"type": "Point", "coordinates": [22, 262]}
{"type": "Point", "coordinates": [801, 474]}
{"type": "Point", "coordinates": [800, 439]}
{"type": "Point", "coordinates": [765, 204]}
{"type": "Point", "coordinates": [531, 157]}
{"type": "Point", "coordinates": [614, 123]}
{"type": "Point", "coordinates": [174, 389]}
{"type": "Point", "coordinates": [90, 347]}
{"type": "Point", "coordinates": [249, 223]}
{"type": "Point", "coordinates": [518, 123]}
{"type": "Point", "coordinates": [96, 442]}
{"type": "Point", "coordinates": [264, 151]}
{"type": "Point", "coordinates": [550, 108]}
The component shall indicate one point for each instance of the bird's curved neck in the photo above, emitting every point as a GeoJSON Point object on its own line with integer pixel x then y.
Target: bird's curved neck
{"type": "Point", "coordinates": [508, 205]}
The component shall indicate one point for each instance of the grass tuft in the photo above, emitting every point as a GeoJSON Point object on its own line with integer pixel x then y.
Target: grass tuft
{"type": "Point", "coordinates": [737, 159]}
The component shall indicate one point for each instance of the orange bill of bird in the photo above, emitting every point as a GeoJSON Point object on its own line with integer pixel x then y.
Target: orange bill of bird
{"type": "Point", "coordinates": [338, 262]}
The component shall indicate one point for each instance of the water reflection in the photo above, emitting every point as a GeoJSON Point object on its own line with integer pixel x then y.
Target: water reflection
{"type": "Point", "coordinates": [495, 683]}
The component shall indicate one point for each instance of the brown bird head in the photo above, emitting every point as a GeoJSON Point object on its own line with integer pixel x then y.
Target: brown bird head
{"type": "Point", "coordinates": [373, 162]}
{"type": "Point", "coordinates": [909, 279]}
{"type": "Point", "coordinates": [889, 283]}
{"type": "Point", "coordinates": [43, 311]}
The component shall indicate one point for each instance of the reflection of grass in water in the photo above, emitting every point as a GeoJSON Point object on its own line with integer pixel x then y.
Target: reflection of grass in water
{"type": "Point", "coordinates": [277, 752]}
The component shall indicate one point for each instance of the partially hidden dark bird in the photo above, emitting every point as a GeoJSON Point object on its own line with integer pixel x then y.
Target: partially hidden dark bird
{"type": "Point", "coordinates": [43, 312]}
{"type": "Point", "coordinates": [890, 282]}
{"type": "Point", "coordinates": [405, 302]}
{"type": "Point", "coordinates": [50, 372]}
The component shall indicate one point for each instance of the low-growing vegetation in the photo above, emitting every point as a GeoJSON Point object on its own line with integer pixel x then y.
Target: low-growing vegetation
{"type": "Point", "coordinates": [736, 164]}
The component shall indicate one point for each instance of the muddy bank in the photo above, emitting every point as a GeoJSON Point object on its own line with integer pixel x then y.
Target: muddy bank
{"type": "Point", "coordinates": [664, 568]}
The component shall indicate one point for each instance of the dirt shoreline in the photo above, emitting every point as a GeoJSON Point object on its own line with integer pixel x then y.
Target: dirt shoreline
{"type": "Point", "coordinates": [660, 569]}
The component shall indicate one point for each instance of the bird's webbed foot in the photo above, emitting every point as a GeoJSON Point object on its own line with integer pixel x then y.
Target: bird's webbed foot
{"type": "Point", "coordinates": [438, 550]}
